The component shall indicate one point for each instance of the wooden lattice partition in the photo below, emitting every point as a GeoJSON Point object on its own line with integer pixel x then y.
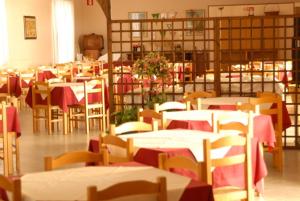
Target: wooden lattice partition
{"type": "Point", "coordinates": [235, 56]}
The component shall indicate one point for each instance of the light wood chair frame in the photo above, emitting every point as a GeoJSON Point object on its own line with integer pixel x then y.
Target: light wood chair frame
{"type": "Point", "coordinates": [106, 140]}
{"type": "Point", "coordinates": [130, 188]}
{"type": "Point", "coordinates": [166, 163]}
{"type": "Point", "coordinates": [75, 157]}
{"type": "Point", "coordinates": [13, 186]}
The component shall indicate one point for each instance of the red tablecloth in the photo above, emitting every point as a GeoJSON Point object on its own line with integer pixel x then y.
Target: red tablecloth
{"type": "Point", "coordinates": [13, 121]}
{"type": "Point", "coordinates": [286, 121]}
{"type": "Point", "coordinates": [15, 88]}
{"type": "Point", "coordinates": [263, 128]}
{"type": "Point", "coordinates": [231, 175]}
{"type": "Point", "coordinates": [64, 96]}
{"type": "Point", "coordinates": [45, 75]}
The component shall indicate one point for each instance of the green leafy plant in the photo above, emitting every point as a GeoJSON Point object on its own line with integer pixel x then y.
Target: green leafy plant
{"type": "Point", "coordinates": [152, 66]}
{"type": "Point", "coordinates": [126, 115]}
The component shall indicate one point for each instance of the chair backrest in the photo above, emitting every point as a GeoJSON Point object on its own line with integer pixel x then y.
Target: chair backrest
{"type": "Point", "coordinates": [241, 122]}
{"type": "Point", "coordinates": [94, 87]}
{"type": "Point", "coordinates": [246, 107]}
{"type": "Point", "coordinates": [173, 105]}
{"type": "Point", "coordinates": [106, 140]}
{"type": "Point", "coordinates": [275, 110]}
{"type": "Point", "coordinates": [166, 163]}
{"type": "Point", "coordinates": [75, 157]}
{"type": "Point", "coordinates": [132, 126]}
{"type": "Point", "coordinates": [243, 158]}
{"type": "Point", "coordinates": [147, 114]}
{"type": "Point", "coordinates": [41, 89]}
{"type": "Point", "coordinates": [130, 188]}
{"type": "Point", "coordinates": [194, 97]}
{"type": "Point", "coordinates": [13, 186]}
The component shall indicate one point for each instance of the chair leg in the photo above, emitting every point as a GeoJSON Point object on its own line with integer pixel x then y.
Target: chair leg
{"type": "Point", "coordinates": [87, 126]}
{"type": "Point", "coordinates": [70, 120]}
{"type": "Point", "coordinates": [17, 141]}
{"type": "Point", "coordinates": [49, 121]}
{"type": "Point", "coordinates": [34, 120]}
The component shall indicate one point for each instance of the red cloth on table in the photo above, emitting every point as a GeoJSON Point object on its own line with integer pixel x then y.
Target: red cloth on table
{"type": "Point", "coordinates": [15, 88]}
{"type": "Point", "coordinates": [263, 128]}
{"type": "Point", "coordinates": [45, 75]}
{"type": "Point", "coordinates": [13, 121]}
{"type": "Point", "coordinates": [231, 175]}
{"type": "Point", "coordinates": [64, 96]}
{"type": "Point", "coordinates": [286, 121]}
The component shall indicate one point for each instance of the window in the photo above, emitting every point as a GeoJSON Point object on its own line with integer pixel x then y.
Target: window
{"type": "Point", "coordinates": [3, 34]}
{"type": "Point", "coordinates": [63, 30]}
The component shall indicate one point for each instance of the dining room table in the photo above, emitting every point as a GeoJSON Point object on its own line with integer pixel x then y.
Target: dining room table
{"type": "Point", "coordinates": [71, 184]}
{"type": "Point", "coordinates": [66, 94]}
{"type": "Point", "coordinates": [223, 104]}
{"type": "Point", "coordinates": [189, 143]}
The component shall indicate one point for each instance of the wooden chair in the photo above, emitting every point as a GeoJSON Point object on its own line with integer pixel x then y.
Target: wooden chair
{"type": "Point", "coordinates": [246, 107]}
{"type": "Point", "coordinates": [107, 140]}
{"type": "Point", "coordinates": [173, 105]}
{"type": "Point", "coordinates": [133, 126]}
{"type": "Point", "coordinates": [50, 112]}
{"type": "Point", "coordinates": [148, 114]}
{"type": "Point", "coordinates": [91, 110]}
{"type": "Point", "coordinates": [130, 188]}
{"type": "Point", "coordinates": [166, 163]}
{"type": "Point", "coordinates": [25, 79]}
{"type": "Point", "coordinates": [230, 192]}
{"type": "Point", "coordinates": [240, 122]}
{"type": "Point", "coordinates": [276, 111]}
{"type": "Point", "coordinates": [13, 186]}
{"type": "Point", "coordinates": [14, 140]}
{"type": "Point", "coordinates": [75, 157]}
{"type": "Point", "coordinates": [195, 97]}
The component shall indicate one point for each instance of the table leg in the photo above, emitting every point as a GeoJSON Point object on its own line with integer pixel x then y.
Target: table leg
{"type": "Point", "coordinates": [65, 123]}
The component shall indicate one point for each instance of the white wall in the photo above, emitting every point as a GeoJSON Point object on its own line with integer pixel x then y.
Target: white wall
{"type": "Point", "coordinates": [24, 53]}
{"type": "Point", "coordinates": [89, 19]}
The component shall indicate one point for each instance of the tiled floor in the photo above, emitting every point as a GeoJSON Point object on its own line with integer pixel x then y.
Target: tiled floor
{"type": "Point", "coordinates": [278, 187]}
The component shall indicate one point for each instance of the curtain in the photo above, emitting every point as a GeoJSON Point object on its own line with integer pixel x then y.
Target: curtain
{"type": "Point", "coordinates": [63, 31]}
{"type": "Point", "coordinates": [3, 34]}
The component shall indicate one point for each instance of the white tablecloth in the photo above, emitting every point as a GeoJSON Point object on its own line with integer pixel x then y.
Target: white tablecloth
{"type": "Point", "coordinates": [71, 184]}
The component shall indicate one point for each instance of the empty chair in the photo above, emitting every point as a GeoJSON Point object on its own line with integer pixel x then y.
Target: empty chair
{"type": "Point", "coordinates": [148, 115]}
{"type": "Point", "coordinates": [75, 157]}
{"type": "Point", "coordinates": [127, 146]}
{"type": "Point", "coordinates": [230, 192]}
{"type": "Point", "coordinates": [195, 97]}
{"type": "Point", "coordinates": [246, 107]}
{"type": "Point", "coordinates": [130, 188]}
{"type": "Point", "coordinates": [274, 108]}
{"type": "Point", "coordinates": [13, 186]}
{"type": "Point", "coordinates": [173, 105]}
{"type": "Point", "coordinates": [90, 109]}
{"type": "Point", "coordinates": [132, 126]}
{"type": "Point", "coordinates": [240, 122]}
{"type": "Point", "coordinates": [42, 90]}
{"type": "Point", "coordinates": [167, 163]}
